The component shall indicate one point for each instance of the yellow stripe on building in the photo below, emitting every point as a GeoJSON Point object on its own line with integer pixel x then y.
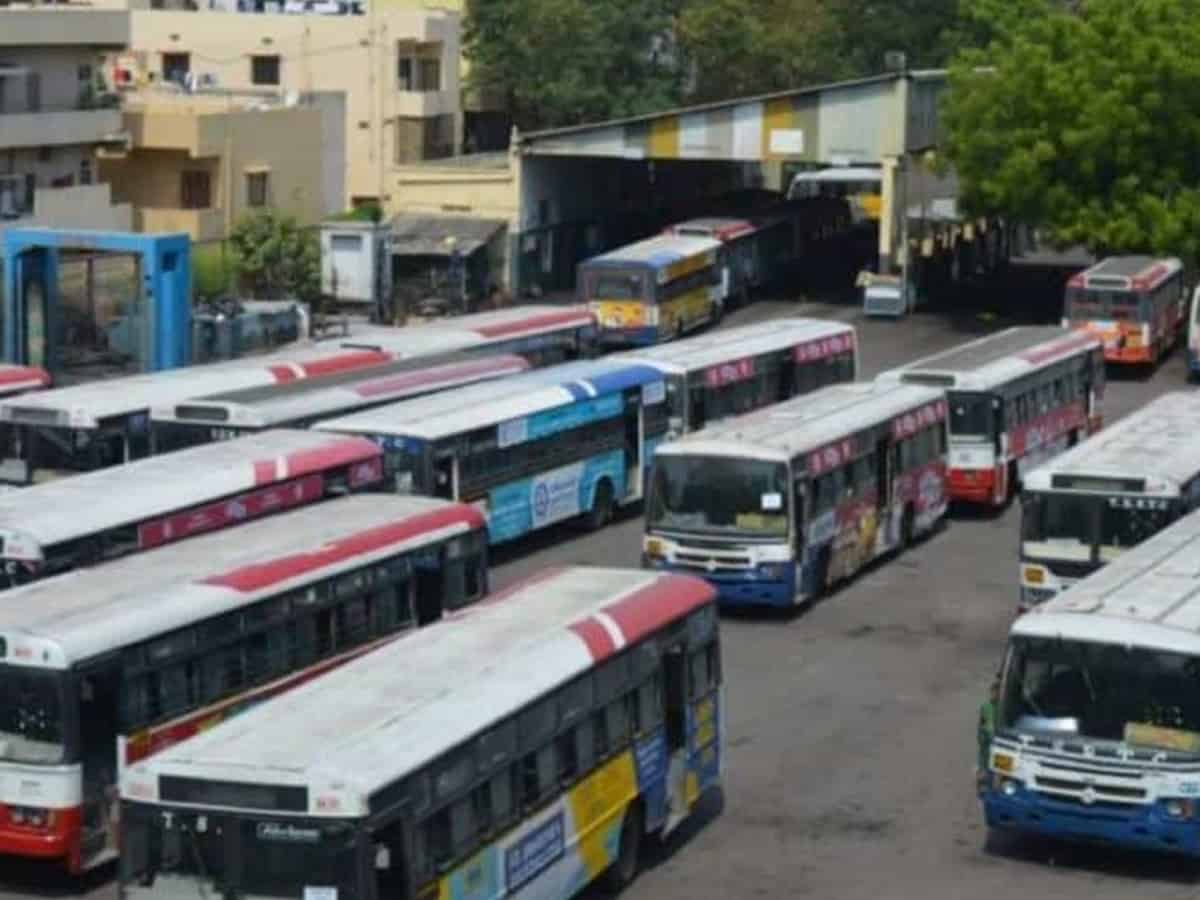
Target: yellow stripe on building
{"type": "Point", "coordinates": [663, 141]}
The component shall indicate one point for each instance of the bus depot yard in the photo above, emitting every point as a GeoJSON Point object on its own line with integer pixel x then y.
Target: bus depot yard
{"type": "Point", "coordinates": [849, 728]}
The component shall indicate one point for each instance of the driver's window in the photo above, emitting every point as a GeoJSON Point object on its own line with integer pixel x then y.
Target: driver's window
{"type": "Point", "coordinates": [798, 513]}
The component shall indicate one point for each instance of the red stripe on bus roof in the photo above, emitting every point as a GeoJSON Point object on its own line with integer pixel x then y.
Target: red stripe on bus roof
{"type": "Point", "coordinates": [599, 641]}
{"type": "Point", "coordinates": [648, 609]}
{"type": "Point", "coordinates": [24, 374]}
{"type": "Point", "coordinates": [538, 322]}
{"type": "Point", "coordinates": [523, 583]}
{"type": "Point", "coordinates": [456, 372]}
{"type": "Point", "coordinates": [259, 576]}
{"type": "Point", "coordinates": [341, 452]}
{"type": "Point", "coordinates": [345, 362]}
{"type": "Point", "coordinates": [1064, 346]}
{"type": "Point", "coordinates": [283, 374]}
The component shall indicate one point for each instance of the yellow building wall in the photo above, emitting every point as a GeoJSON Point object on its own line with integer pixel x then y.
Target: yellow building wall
{"type": "Point", "coordinates": [356, 55]}
{"type": "Point", "coordinates": [225, 145]}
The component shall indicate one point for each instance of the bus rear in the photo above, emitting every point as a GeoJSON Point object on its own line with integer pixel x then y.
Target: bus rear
{"type": "Point", "coordinates": [1193, 340]}
{"type": "Point", "coordinates": [1135, 304]}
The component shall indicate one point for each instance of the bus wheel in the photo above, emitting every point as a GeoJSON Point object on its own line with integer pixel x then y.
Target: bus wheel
{"type": "Point", "coordinates": [906, 528]}
{"type": "Point", "coordinates": [602, 506]}
{"type": "Point", "coordinates": [625, 867]}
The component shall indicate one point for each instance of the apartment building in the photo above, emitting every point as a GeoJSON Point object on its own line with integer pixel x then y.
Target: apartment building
{"type": "Point", "coordinates": [198, 162]}
{"type": "Point", "coordinates": [397, 66]}
{"type": "Point", "coordinates": [54, 115]}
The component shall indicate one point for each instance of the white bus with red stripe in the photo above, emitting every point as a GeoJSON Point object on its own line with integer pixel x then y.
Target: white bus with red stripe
{"type": "Point", "coordinates": [58, 526]}
{"type": "Point", "coordinates": [525, 749]}
{"type": "Point", "coordinates": [298, 405]}
{"type": "Point", "coordinates": [103, 423]}
{"type": "Point", "coordinates": [1017, 398]}
{"type": "Point", "coordinates": [101, 668]}
{"type": "Point", "coordinates": [21, 379]}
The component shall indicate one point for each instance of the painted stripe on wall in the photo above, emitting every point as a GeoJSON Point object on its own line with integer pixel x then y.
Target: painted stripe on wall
{"type": "Point", "coordinates": [664, 138]}
{"type": "Point", "coordinates": [748, 131]}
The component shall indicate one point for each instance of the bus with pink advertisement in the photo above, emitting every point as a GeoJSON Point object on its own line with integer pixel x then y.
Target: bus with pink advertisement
{"type": "Point", "coordinates": [1017, 398]}
{"type": "Point", "coordinates": [777, 506]}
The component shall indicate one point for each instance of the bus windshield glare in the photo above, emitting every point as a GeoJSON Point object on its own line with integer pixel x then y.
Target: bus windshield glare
{"type": "Point", "coordinates": [173, 853]}
{"type": "Point", "coordinates": [1097, 522]}
{"type": "Point", "coordinates": [971, 415]}
{"type": "Point", "coordinates": [616, 286]}
{"type": "Point", "coordinates": [719, 494]}
{"type": "Point", "coordinates": [1105, 692]}
{"type": "Point", "coordinates": [31, 715]}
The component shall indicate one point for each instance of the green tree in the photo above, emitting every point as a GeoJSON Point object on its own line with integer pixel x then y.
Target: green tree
{"type": "Point", "coordinates": [561, 62]}
{"type": "Point", "coordinates": [1085, 125]}
{"type": "Point", "coordinates": [865, 30]}
{"type": "Point", "coordinates": [276, 258]}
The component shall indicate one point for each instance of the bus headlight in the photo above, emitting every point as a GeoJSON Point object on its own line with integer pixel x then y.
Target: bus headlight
{"type": "Point", "coordinates": [1003, 762]}
{"type": "Point", "coordinates": [1035, 574]}
{"type": "Point", "coordinates": [1009, 786]}
{"type": "Point", "coordinates": [1177, 808]}
{"type": "Point", "coordinates": [31, 816]}
{"type": "Point", "coordinates": [655, 550]}
{"type": "Point", "coordinates": [771, 570]}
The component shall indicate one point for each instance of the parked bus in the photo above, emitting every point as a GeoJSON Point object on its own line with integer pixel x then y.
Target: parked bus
{"type": "Point", "coordinates": [525, 750]}
{"type": "Point", "coordinates": [754, 248]}
{"type": "Point", "coordinates": [103, 667]}
{"type": "Point", "coordinates": [301, 403]}
{"type": "Point", "coordinates": [54, 527]}
{"type": "Point", "coordinates": [531, 450]}
{"type": "Point", "coordinates": [1110, 493]}
{"type": "Point", "coordinates": [656, 289]}
{"type": "Point", "coordinates": [21, 379]}
{"type": "Point", "coordinates": [1136, 304]}
{"type": "Point", "coordinates": [90, 426]}
{"type": "Point", "coordinates": [1017, 398]}
{"type": "Point", "coordinates": [736, 370]}
{"type": "Point", "coordinates": [1097, 729]}
{"type": "Point", "coordinates": [776, 506]}
{"type": "Point", "coordinates": [860, 186]}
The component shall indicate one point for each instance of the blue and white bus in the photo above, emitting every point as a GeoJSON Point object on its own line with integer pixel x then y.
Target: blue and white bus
{"type": "Point", "coordinates": [530, 450]}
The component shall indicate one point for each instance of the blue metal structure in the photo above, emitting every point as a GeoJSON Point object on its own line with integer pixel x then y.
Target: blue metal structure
{"type": "Point", "coordinates": [163, 325]}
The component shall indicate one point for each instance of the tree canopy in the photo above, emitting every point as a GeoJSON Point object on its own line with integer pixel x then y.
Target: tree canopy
{"type": "Point", "coordinates": [276, 258]}
{"type": "Point", "coordinates": [1084, 123]}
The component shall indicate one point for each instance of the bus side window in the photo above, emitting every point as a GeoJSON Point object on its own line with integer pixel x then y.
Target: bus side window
{"type": "Point", "coordinates": [443, 477]}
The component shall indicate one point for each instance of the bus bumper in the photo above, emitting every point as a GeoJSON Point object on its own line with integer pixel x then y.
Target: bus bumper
{"type": "Point", "coordinates": [1145, 827]}
{"type": "Point", "coordinates": [973, 485]}
{"type": "Point", "coordinates": [57, 840]}
{"type": "Point", "coordinates": [628, 337]}
{"type": "Point", "coordinates": [1128, 355]}
{"type": "Point", "coordinates": [743, 589]}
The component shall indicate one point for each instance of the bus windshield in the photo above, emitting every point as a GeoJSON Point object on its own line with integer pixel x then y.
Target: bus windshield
{"type": "Point", "coordinates": [31, 715]}
{"type": "Point", "coordinates": [616, 286]}
{"type": "Point", "coordinates": [719, 494]}
{"type": "Point", "coordinates": [1093, 304]}
{"type": "Point", "coordinates": [971, 415]}
{"type": "Point", "coordinates": [170, 854]}
{"type": "Point", "coordinates": [1106, 692]}
{"type": "Point", "coordinates": [1103, 524]}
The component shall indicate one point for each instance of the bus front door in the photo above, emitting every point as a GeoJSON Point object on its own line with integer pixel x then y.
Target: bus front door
{"type": "Point", "coordinates": [99, 718]}
{"type": "Point", "coordinates": [674, 663]}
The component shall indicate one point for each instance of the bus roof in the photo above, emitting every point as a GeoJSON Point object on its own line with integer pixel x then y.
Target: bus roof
{"type": "Point", "coordinates": [89, 405]}
{"type": "Point", "coordinates": [56, 511]}
{"type": "Point", "coordinates": [435, 416]}
{"type": "Point", "coordinates": [1138, 273]}
{"type": "Point", "coordinates": [718, 227]}
{"type": "Point", "coordinates": [656, 252]}
{"type": "Point", "coordinates": [712, 348]}
{"type": "Point", "coordinates": [1159, 443]}
{"type": "Point", "coordinates": [16, 379]}
{"type": "Point", "coordinates": [1149, 596]}
{"type": "Point", "coordinates": [383, 716]}
{"type": "Point", "coordinates": [804, 424]}
{"type": "Point", "coordinates": [92, 610]}
{"type": "Point", "coordinates": [997, 359]}
{"type": "Point", "coordinates": [839, 175]}
{"type": "Point", "coordinates": [281, 404]}
{"type": "Point", "coordinates": [473, 330]}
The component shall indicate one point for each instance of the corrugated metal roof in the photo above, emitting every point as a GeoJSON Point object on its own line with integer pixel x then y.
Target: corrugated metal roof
{"type": "Point", "coordinates": [428, 235]}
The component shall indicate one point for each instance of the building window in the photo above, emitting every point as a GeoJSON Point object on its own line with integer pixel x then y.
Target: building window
{"type": "Point", "coordinates": [85, 171]}
{"type": "Point", "coordinates": [195, 190]}
{"type": "Point", "coordinates": [430, 75]}
{"type": "Point", "coordinates": [258, 188]}
{"type": "Point", "coordinates": [404, 73]}
{"type": "Point", "coordinates": [175, 67]}
{"type": "Point", "coordinates": [264, 70]}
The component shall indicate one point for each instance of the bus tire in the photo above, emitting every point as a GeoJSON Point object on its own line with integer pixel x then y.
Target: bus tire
{"type": "Point", "coordinates": [624, 868]}
{"type": "Point", "coordinates": [906, 527]}
{"type": "Point", "coordinates": [601, 512]}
